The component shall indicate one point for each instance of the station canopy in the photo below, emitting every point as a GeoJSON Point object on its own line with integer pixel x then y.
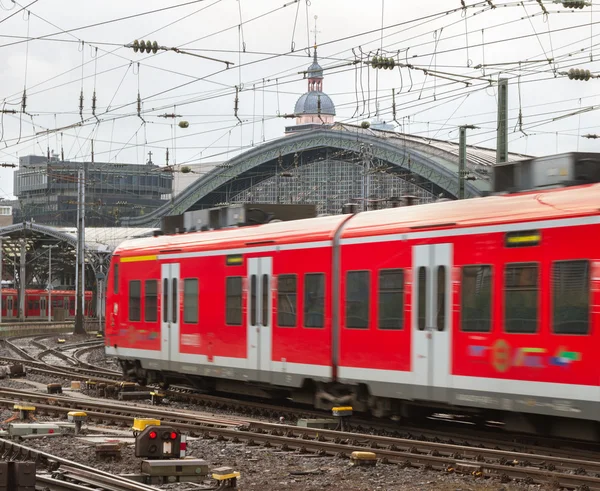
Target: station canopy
{"type": "Point", "coordinates": [29, 248]}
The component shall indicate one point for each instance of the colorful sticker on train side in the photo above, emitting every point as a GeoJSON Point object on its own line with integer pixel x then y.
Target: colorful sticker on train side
{"type": "Point", "coordinates": [502, 357]}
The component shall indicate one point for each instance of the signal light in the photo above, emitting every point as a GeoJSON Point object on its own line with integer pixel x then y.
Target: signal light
{"type": "Point", "coordinates": [159, 442]}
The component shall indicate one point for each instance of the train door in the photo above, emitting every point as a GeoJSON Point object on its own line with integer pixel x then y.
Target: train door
{"type": "Point", "coordinates": [42, 307]}
{"type": "Point", "coordinates": [9, 307]}
{"type": "Point", "coordinates": [169, 330]}
{"type": "Point", "coordinates": [431, 320]}
{"type": "Point", "coordinates": [260, 316]}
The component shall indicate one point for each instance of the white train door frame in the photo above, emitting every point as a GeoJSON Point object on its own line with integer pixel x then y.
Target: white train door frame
{"type": "Point", "coordinates": [260, 317]}
{"type": "Point", "coordinates": [170, 312]}
{"type": "Point", "coordinates": [432, 321]}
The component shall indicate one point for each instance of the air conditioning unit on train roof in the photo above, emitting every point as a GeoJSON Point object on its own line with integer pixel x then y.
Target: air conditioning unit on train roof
{"type": "Point", "coordinates": [238, 215]}
{"type": "Point", "coordinates": [551, 171]}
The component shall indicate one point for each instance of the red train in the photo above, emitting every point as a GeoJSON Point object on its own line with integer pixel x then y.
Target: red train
{"type": "Point", "coordinates": [36, 303]}
{"type": "Point", "coordinates": [488, 306]}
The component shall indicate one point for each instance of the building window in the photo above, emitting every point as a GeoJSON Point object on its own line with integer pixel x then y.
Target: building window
{"type": "Point", "coordinates": [135, 299]}
{"type": "Point", "coordinates": [286, 300]}
{"type": "Point", "coordinates": [116, 277]}
{"type": "Point", "coordinates": [422, 300]}
{"type": "Point", "coordinates": [571, 297]}
{"type": "Point", "coordinates": [476, 298]}
{"type": "Point", "coordinates": [441, 298]}
{"type": "Point", "coordinates": [357, 299]}
{"type": "Point", "coordinates": [253, 287]}
{"type": "Point", "coordinates": [190, 301]}
{"type": "Point", "coordinates": [265, 300]}
{"type": "Point", "coordinates": [314, 300]}
{"type": "Point", "coordinates": [165, 302]}
{"type": "Point", "coordinates": [233, 313]}
{"type": "Point", "coordinates": [150, 300]}
{"type": "Point", "coordinates": [521, 298]}
{"type": "Point", "coordinates": [391, 298]}
{"type": "Point", "coordinates": [175, 301]}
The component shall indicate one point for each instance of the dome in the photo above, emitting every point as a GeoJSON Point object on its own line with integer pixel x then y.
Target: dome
{"type": "Point", "coordinates": [308, 104]}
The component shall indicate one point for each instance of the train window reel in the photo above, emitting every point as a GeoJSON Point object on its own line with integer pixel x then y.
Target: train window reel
{"type": "Point", "coordinates": [525, 238]}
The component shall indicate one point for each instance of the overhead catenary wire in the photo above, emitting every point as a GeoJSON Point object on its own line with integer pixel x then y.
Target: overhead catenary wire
{"type": "Point", "coordinates": [263, 94]}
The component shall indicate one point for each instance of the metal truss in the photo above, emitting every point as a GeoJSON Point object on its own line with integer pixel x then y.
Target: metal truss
{"type": "Point", "coordinates": [426, 162]}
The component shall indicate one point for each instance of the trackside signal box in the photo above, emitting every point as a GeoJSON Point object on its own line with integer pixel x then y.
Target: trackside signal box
{"type": "Point", "coordinates": [158, 442]}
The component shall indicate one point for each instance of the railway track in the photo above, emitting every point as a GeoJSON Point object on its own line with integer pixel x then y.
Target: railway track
{"type": "Point", "coordinates": [423, 448]}
{"type": "Point", "coordinates": [425, 432]}
{"type": "Point", "coordinates": [67, 475]}
{"type": "Point", "coordinates": [537, 468]}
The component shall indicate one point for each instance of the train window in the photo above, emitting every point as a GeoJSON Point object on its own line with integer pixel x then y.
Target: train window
{"type": "Point", "coordinates": [165, 302]}
{"type": "Point", "coordinates": [521, 298]}
{"type": "Point", "coordinates": [115, 277]}
{"type": "Point", "coordinates": [422, 300]}
{"type": "Point", "coordinates": [150, 300]}
{"type": "Point", "coordinates": [476, 299]}
{"type": "Point", "coordinates": [314, 300]}
{"type": "Point", "coordinates": [571, 297]}
{"type": "Point", "coordinates": [265, 299]}
{"type": "Point", "coordinates": [233, 313]}
{"type": "Point", "coordinates": [391, 298]}
{"type": "Point", "coordinates": [135, 300]}
{"type": "Point", "coordinates": [190, 301]}
{"type": "Point", "coordinates": [357, 299]}
{"type": "Point", "coordinates": [174, 299]}
{"type": "Point", "coordinates": [287, 300]}
{"type": "Point", "coordinates": [441, 298]}
{"type": "Point", "coordinates": [253, 300]}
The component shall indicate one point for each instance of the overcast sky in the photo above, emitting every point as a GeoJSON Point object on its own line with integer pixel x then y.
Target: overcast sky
{"type": "Point", "coordinates": [203, 91]}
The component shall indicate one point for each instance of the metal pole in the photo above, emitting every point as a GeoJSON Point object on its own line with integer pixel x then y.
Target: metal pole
{"type": "Point", "coordinates": [50, 284]}
{"type": "Point", "coordinates": [1, 274]}
{"type": "Point", "coordinates": [502, 137]}
{"type": "Point", "coordinates": [462, 161]}
{"type": "Point", "coordinates": [462, 158]}
{"type": "Point", "coordinates": [79, 328]}
{"type": "Point", "coordinates": [22, 280]}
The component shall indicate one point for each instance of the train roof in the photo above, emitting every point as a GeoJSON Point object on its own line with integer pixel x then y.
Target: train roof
{"type": "Point", "coordinates": [278, 233]}
{"type": "Point", "coordinates": [492, 210]}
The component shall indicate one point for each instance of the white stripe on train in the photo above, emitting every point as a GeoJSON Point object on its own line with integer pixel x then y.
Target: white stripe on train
{"type": "Point", "coordinates": [479, 384]}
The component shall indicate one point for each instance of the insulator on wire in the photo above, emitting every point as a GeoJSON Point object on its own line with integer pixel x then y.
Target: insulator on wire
{"type": "Point", "coordinates": [575, 4]}
{"type": "Point", "coordinates": [147, 46]}
{"type": "Point", "coordinates": [139, 105]}
{"type": "Point", "coordinates": [384, 63]}
{"type": "Point", "coordinates": [579, 74]}
{"type": "Point", "coordinates": [81, 104]}
{"type": "Point", "coordinates": [94, 103]}
{"type": "Point", "coordinates": [24, 101]}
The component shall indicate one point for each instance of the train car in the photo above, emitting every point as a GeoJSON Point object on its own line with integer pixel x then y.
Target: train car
{"type": "Point", "coordinates": [37, 301]}
{"type": "Point", "coordinates": [489, 307]}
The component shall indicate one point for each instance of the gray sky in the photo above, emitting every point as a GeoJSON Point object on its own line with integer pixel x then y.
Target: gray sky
{"type": "Point", "coordinates": [203, 92]}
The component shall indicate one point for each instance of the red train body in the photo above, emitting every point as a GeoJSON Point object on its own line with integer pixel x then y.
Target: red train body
{"type": "Point", "coordinates": [36, 303]}
{"type": "Point", "coordinates": [488, 305]}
